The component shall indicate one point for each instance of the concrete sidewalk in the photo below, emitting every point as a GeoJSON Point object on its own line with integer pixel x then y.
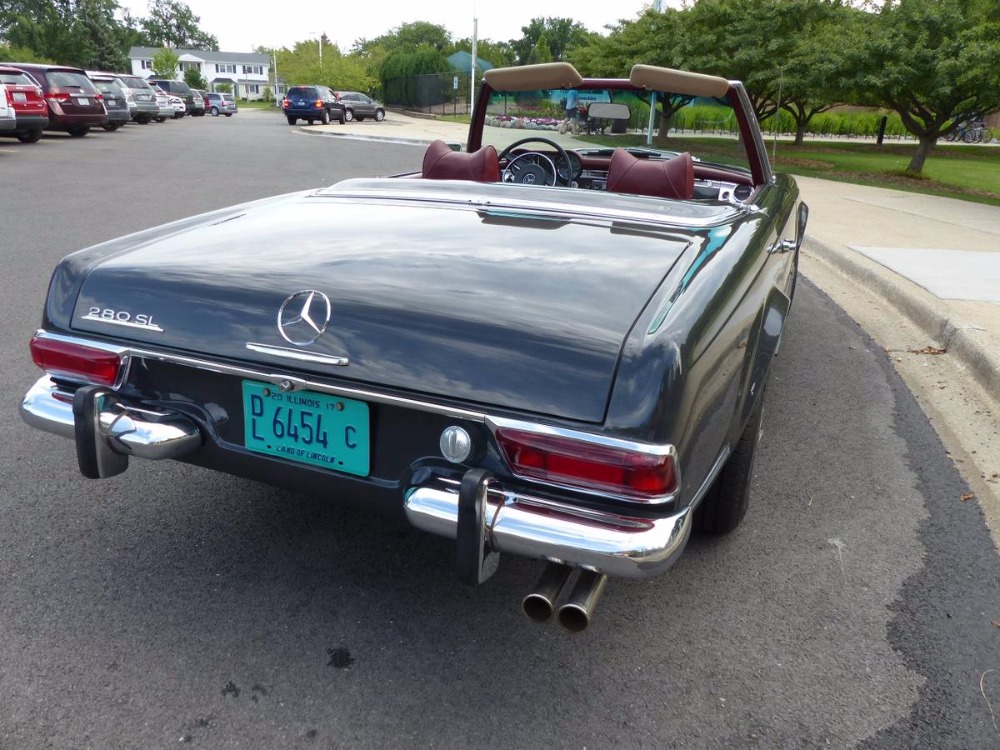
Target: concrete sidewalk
{"type": "Point", "coordinates": [937, 260]}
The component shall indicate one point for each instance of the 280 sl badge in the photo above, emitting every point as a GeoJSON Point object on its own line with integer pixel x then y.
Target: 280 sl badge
{"type": "Point", "coordinates": [122, 318]}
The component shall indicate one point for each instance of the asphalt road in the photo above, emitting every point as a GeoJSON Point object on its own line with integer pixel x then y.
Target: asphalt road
{"type": "Point", "coordinates": [172, 606]}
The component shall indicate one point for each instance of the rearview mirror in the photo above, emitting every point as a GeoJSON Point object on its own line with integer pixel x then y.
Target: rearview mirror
{"type": "Point", "coordinates": [608, 111]}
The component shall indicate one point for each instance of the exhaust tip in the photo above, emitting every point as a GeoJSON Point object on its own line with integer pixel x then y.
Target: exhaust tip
{"type": "Point", "coordinates": [575, 615]}
{"type": "Point", "coordinates": [537, 608]}
{"type": "Point", "coordinates": [574, 618]}
{"type": "Point", "coordinates": [540, 604]}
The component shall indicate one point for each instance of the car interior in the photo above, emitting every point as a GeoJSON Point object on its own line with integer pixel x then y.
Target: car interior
{"type": "Point", "coordinates": [530, 101]}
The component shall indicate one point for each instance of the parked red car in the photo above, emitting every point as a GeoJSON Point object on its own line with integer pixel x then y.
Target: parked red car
{"type": "Point", "coordinates": [25, 97]}
{"type": "Point", "coordinates": [75, 104]}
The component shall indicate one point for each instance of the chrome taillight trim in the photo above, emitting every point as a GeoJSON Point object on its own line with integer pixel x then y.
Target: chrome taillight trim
{"type": "Point", "coordinates": [606, 441]}
{"type": "Point", "coordinates": [123, 353]}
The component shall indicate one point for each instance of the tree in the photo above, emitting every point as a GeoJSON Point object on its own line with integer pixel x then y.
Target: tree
{"type": "Point", "coordinates": [96, 31]}
{"type": "Point", "coordinates": [738, 39]}
{"type": "Point", "coordinates": [559, 34]}
{"type": "Point", "coordinates": [540, 53]}
{"type": "Point", "coordinates": [165, 64]}
{"type": "Point", "coordinates": [654, 38]}
{"type": "Point", "coordinates": [814, 66]}
{"type": "Point", "coordinates": [194, 79]}
{"type": "Point", "coordinates": [932, 61]}
{"type": "Point", "coordinates": [171, 23]}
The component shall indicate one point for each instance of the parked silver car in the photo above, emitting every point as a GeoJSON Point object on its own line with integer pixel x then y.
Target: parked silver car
{"type": "Point", "coordinates": [164, 108]}
{"type": "Point", "coordinates": [141, 98]}
{"type": "Point", "coordinates": [221, 104]}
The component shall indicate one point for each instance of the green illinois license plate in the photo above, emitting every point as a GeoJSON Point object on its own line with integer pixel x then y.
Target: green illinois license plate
{"type": "Point", "coordinates": [307, 427]}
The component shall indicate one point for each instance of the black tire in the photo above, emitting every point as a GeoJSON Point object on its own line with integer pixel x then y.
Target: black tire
{"type": "Point", "coordinates": [311, 121]}
{"type": "Point", "coordinates": [325, 120]}
{"type": "Point", "coordinates": [111, 127]}
{"type": "Point", "coordinates": [342, 118]}
{"type": "Point", "coordinates": [162, 118]}
{"type": "Point", "coordinates": [30, 136]}
{"type": "Point", "coordinates": [291, 120]}
{"type": "Point", "coordinates": [969, 137]}
{"type": "Point", "coordinates": [379, 115]}
{"type": "Point", "coordinates": [144, 120]}
{"type": "Point", "coordinates": [215, 111]}
{"type": "Point", "coordinates": [725, 503]}
{"type": "Point", "coordinates": [348, 114]}
{"type": "Point", "coordinates": [79, 131]}
{"type": "Point", "coordinates": [359, 119]}
{"type": "Point", "coordinates": [228, 114]}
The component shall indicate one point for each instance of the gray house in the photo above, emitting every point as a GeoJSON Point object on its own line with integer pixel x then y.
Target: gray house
{"type": "Point", "coordinates": [247, 72]}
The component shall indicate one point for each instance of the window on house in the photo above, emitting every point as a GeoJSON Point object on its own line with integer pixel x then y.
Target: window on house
{"type": "Point", "coordinates": [224, 68]}
{"type": "Point", "coordinates": [254, 70]}
{"type": "Point", "coordinates": [146, 64]}
{"type": "Point", "coordinates": [254, 88]}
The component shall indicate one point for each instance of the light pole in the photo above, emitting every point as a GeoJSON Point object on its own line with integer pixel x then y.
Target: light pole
{"type": "Point", "coordinates": [472, 71]}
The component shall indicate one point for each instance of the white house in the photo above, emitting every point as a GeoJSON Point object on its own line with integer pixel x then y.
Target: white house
{"type": "Point", "coordinates": [248, 73]}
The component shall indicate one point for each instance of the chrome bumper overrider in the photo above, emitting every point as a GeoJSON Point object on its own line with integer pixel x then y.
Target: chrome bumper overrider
{"type": "Point", "coordinates": [617, 545]}
{"type": "Point", "coordinates": [126, 430]}
{"type": "Point", "coordinates": [614, 544]}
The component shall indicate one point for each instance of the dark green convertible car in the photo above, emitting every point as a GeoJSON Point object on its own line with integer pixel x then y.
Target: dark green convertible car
{"type": "Point", "coordinates": [539, 344]}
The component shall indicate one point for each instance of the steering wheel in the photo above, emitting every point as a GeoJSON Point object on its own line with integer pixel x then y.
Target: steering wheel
{"type": "Point", "coordinates": [530, 171]}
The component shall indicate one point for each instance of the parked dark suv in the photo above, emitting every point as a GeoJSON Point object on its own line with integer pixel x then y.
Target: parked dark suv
{"type": "Point", "coordinates": [177, 88]}
{"type": "Point", "coordinates": [312, 104]}
{"type": "Point", "coordinates": [358, 106]}
{"type": "Point", "coordinates": [75, 104]}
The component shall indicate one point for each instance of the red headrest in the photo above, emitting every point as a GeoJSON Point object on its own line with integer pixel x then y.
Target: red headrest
{"type": "Point", "coordinates": [441, 163]}
{"type": "Point", "coordinates": [673, 178]}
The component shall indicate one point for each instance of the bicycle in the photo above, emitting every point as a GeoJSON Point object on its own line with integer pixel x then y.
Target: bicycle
{"type": "Point", "coordinates": [975, 132]}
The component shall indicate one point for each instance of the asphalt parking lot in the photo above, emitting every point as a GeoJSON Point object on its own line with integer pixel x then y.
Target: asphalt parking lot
{"type": "Point", "coordinates": [175, 606]}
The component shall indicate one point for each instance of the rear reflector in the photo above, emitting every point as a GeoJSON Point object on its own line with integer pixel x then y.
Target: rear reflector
{"type": "Point", "coordinates": [556, 459]}
{"type": "Point", "coordinates": [75, 361]}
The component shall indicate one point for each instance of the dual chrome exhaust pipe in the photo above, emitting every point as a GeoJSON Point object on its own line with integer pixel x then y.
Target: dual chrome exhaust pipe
{"type": "Point", "coordinates": [577, 610]}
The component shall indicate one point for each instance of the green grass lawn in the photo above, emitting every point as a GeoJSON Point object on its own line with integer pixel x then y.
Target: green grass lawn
{"type": "Point", "coordinates": [968, 172]}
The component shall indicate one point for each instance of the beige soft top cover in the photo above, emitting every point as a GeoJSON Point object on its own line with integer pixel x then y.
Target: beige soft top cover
{"type": "Point", "coordinates": [562, 75]}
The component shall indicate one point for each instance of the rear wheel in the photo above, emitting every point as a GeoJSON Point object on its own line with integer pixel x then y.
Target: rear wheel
{"type": "Point", "coordinates": [215, 111]}
{"type": "Point", "coordinates": [161, 119]}
{"type": "Point", "coordinates": [348, 114]}
{"type": "Point", "coordinates": [31, 136]}
{"type": "Point", "coordinates": [229, 114]}
{"type": "Point", "coordinates": [326, 117]}
{"type": "Point", "coordinates": [725, 503]}
{"type": "Point", "coordinates": [987, 135]}
{"type": "Point", "coordinates": [342, 118]}
{"type": "Point", "coordinates": [379, 115]}
{"type": "Point", "coordinates": [80, 131]}
{"type": "Point", "coordinates": [291, 120]}
{"type": "Point", "coordinates": [111, 127]}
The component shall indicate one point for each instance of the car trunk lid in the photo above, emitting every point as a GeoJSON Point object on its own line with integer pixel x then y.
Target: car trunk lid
{"type": "Point", "coordinates": [501, 308]}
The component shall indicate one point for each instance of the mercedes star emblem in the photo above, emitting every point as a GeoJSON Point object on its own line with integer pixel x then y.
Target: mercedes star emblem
{"type": "Point", "coordinates": [303, 317]}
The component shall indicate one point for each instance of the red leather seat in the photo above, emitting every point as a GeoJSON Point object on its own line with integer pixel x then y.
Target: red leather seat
{"type": "Point", "coordinates": [673, 178]}
{"type": "Point", "coordinates": [441, 163]}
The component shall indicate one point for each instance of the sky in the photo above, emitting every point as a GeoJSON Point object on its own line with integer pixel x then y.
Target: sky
{"type": "Point", "coordinates": [240, 27]}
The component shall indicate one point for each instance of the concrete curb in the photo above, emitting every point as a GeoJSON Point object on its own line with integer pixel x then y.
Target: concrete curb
{"type": "Point", "coordinates": [310, 130]}
{"type": "Point", "coordinates": [928, 312]}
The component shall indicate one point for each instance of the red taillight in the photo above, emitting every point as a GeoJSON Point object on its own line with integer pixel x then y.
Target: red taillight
{"type": "Point", "coordinates": [98, 96]}
{"type": "Point", "coordinates": [318, 104]}
{"type": "Point", "coordinates": [284, 103]}
{"type": "Point", "coordinates": [57, 96]}
{"type": "Point", "coordinates": [603, 468]}
{"type": "Point", "coordinates": [76, 361]}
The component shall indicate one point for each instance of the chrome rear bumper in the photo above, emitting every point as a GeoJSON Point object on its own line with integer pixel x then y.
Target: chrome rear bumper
{"type": "Point", "coordinates": [614, 544]}
{"type": "Point", "coordinates": [617, 545]}
{"type": "Point", "coordinates": [124, 429]}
